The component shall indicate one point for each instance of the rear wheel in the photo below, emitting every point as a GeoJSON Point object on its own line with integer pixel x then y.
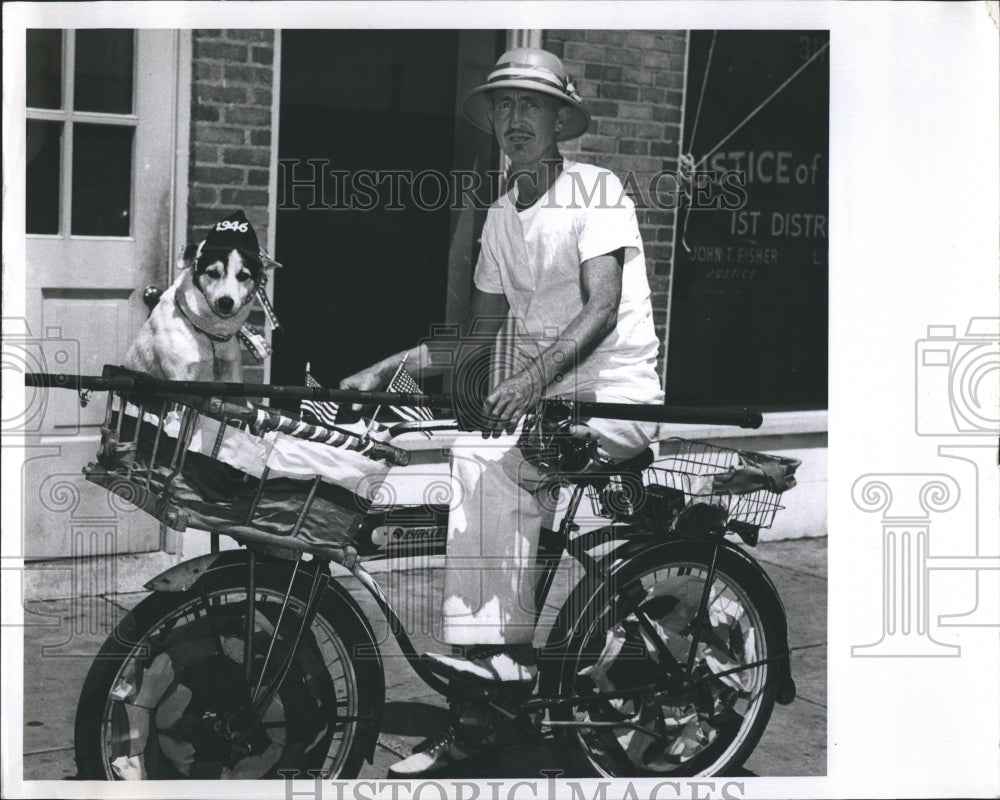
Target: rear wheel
{"type": "Point", "coordinates": [628, 655]}
{"type": "Point", "coordinates": [169, 693]}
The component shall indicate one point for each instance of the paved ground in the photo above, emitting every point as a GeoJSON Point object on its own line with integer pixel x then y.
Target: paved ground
{"type": "Point", "coordinates": [62, 635]}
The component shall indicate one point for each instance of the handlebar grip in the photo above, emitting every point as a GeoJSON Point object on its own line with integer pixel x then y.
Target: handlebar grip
{"type": "Point", "coordinates": [394, 455]}
{"type": "Point", "coordinates": [685, 415]}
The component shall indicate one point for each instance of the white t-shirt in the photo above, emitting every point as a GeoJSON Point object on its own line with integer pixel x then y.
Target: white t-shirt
{"type": "Point", "coordinates": [533, 257]}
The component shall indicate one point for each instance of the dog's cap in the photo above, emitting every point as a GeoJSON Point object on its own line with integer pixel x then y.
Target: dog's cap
{"type": "Point", "coordinates": [535, 69]}
{"type": "Point", "coordinates": [233, 233]}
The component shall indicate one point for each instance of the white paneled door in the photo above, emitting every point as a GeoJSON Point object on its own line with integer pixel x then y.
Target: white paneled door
{"type": "Point", "coordinates": [102, 116]}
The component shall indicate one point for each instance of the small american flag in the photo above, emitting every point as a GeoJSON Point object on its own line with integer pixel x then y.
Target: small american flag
{"type": "Point", "coordinates": [324, 412]}
{"type": "Point", "coordinates": [402, 381]}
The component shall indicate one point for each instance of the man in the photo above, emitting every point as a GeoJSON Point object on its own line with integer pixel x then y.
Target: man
{"type": "Point", "coordinates": [562, 257]}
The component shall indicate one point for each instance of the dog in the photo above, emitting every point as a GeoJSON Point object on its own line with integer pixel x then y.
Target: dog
{"type": "Point", "coordinates": [192, 332]}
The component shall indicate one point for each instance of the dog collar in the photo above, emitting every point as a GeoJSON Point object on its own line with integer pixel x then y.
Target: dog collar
{"type": "Point", "coordinates": [251, 339]}
{"type": "Point", "coordinates": [186, 313]}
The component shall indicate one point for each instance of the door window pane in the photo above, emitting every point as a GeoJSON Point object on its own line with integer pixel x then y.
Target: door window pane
{"type": "Point", "coordinates": [44, 68]}
{"type": "Point", "coordinates": [102, 179]}
{"type": "Point", "coordinates": [102, 78]}
{"type": "Point", "coordinates": [42, 178]}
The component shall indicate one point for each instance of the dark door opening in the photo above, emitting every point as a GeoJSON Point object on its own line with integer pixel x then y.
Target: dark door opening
{"type": "Point", "coordinates": [366, 265]}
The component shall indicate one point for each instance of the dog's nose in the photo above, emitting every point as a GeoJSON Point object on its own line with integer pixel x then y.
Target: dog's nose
{"type": "Point", "coordinates": [225, 303]}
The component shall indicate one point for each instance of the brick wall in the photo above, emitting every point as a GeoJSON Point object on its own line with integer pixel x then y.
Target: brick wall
{"type": "Point", "coordinates": [232, 74]}
{"type": "Point", "coordinates": [632, 82]}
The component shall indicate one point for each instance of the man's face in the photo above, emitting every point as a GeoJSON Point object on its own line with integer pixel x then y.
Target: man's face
{"type": "Point", "coordinates": [527, 124]}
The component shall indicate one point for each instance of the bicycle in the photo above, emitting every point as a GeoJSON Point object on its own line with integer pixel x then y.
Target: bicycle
{"type": "Point", "coordinates": [666, 659]}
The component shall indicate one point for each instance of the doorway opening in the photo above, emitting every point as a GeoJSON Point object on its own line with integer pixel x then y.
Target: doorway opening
{"type": "Point", "coordinates": [373, 255]}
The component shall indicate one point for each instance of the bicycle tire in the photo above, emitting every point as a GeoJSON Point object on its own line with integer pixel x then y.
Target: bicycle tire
{"type": "Point", "coordinates": [344, 690]}
{"type": "Point", "coordinates": [685, 721]}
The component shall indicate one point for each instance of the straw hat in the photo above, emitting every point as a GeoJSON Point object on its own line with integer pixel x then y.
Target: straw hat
{"type": "Point", "coordinates": [529, 68]}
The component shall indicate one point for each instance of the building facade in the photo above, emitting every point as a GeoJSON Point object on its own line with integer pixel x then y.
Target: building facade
{"type": "Point", "coordinates": [279, 123]}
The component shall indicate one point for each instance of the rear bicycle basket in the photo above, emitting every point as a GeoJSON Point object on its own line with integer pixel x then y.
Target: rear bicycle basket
{"type": "Point", "coordinates": [743, 484]}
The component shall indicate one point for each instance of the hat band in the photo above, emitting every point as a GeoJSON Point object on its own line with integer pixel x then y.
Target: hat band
{"type": "Point", "coordinates": [526, 72]}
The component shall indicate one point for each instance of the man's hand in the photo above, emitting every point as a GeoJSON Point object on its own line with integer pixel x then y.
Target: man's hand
{"type": "Point", "coordinates": [509, 401]}
{"type": "Point", "coordinates": [368, 380]}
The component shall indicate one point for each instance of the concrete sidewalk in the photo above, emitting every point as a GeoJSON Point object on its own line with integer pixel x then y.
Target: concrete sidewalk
{"type": "Point", "coordinates": [62, 636]}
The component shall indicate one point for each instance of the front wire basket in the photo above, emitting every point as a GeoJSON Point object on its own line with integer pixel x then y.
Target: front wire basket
{"type": "Point", "coordinates": [695, 473]}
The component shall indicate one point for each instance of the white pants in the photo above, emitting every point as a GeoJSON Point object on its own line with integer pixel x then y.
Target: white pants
{"type": "Point", "coordinates": [493, 528]}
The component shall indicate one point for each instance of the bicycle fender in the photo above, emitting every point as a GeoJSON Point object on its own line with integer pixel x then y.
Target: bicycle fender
{"type": "Point", "coordinates": [583, 596]}
{"type": "Point", "coordinates": [181, 577]}
{"type": "Point", "coordinates": [635, 549]}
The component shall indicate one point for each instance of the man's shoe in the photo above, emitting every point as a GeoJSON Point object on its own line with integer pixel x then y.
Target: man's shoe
{"type": "Point", "coordinates": [442, 752]}
{"type": "Point", "coordinates": [489, 664]}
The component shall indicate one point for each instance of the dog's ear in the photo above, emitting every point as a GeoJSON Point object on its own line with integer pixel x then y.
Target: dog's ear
{"type": "Point", "coordinates": [267, 262]}
{"type": "Point", "coordinates": [188, 256]}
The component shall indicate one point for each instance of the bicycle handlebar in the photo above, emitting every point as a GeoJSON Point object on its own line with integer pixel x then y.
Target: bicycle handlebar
{"type": "Point", "coordinates": [118, 379]}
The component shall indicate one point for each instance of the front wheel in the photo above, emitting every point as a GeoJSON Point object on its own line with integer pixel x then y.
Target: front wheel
{"type": "Point", "coordinates": [648, 703]}
{"type": "Point", "coordinates": [169, 694]}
